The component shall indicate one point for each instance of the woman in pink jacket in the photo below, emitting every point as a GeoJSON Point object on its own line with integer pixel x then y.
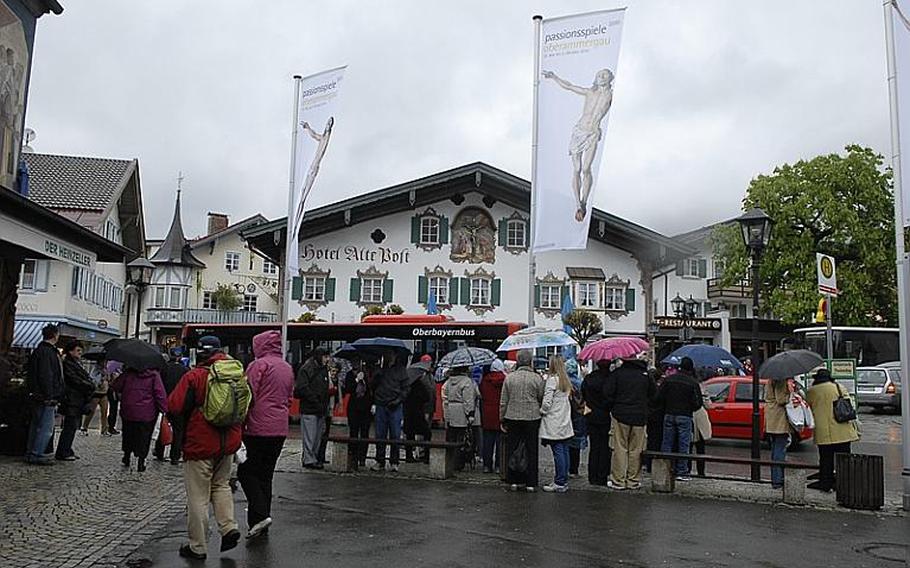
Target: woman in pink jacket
{"type": "Point", "coordinates": [272, 381]}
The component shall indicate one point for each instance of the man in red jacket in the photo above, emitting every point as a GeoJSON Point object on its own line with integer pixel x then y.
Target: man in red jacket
{"type": "Point", "coordinates": [207, 453]}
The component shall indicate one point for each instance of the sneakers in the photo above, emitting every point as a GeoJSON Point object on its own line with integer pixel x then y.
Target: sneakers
{"type": "Point", "coordinates": [260, 528]}
{"type": "Point", "coordinates": [187, 552]}
{"type": "Point", "coordinates": [230, 540]}
{"type": "Point", "coordinates": [377, 467]}
{"type": "Point", "coordinates": [513, 487]}
{"type": "Point", "coordinates": [683, 478]}
{"type": "Point", "coordinates": [530, 489]}
{"type": "Point", "coordinates": [84, 431]}
{"type": "Point", "coordinates": [393, 467]}
{"type": "Point", "coordinates": [69, 458]}
{"type": "Point", "coordinates": [140, 465]}
{"type": "Point", "coordinates": [616, 486]}
{"type": "Point", "coordinates": [554, 488]}
{"type": "Point", "coordinates": [634, 487]}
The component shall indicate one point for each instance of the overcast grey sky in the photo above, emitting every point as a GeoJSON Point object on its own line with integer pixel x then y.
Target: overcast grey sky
{"type": "Point", "coordinates": [708, 95]}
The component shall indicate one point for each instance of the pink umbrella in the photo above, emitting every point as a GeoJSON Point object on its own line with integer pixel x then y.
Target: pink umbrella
{"type": "Point", "coordinates": [613, 348]}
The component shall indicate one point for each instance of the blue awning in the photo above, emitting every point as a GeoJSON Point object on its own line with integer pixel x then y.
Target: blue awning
{"type": "Point", "coordinates": [27, 333]}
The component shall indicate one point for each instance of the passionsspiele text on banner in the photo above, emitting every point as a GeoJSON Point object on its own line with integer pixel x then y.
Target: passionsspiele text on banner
{"type": "Point", "coordinates": [578, 57]}
{"type": "Point", "coordinates": [316, 120]}
{"type": "Point", "coordinates": [902, 62]}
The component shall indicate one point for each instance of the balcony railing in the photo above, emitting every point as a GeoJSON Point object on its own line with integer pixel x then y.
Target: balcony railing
{"type": "Point", "coordinates": [200, 315]}
{"type": "Point", "coordinates": [740, 290]}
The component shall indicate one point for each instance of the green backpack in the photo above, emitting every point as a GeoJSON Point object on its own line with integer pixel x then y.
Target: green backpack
{"type": "Point", "coordinates": [227, 394]}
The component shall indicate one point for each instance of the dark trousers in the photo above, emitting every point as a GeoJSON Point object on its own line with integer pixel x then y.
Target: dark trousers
{"type": "Point", "coordinates": [114, 404]}
{"type": "Point", "coordinates": [256, 473]}
{"type": "Point", "coordinates": [491, 449]}
{"type": "Point", "coordinates": [699, 450]}
{"type": "Point", "coordinates": [527, 431]}
{"type": "Point", "coordinates": [67, 435]}
{"type": "Point", "coordinates": [415, 424]}
{"type": "Point", "coordinates": [826, 462]}
{"type": "Point", "coordinates": [176, 446]}
{"type": "Point", "coordinates": [359, 427]}
{"type": "Point", "coordinates": [600, 455]}
{"type": "Point", "coordinates": [574, 460]}
{"type": "Point", "coordinates": [324, 442]}
{"type": "Point", "coordinates": [137, 437]}
{"type": "Point", "coordinates": [655, 430]}
{"type": "Point", "coordinates": [457, 435]}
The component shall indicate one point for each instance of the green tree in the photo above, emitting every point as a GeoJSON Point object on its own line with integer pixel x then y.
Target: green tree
{"type": "Point", "coordinates": [584, 325]}
{"type": "Point", "coordinates": [839, 205]}
{"type": "Point", "coordinates": [226, 297]}
{"type": "Point", "coordinates": [394, 309]}
{"type": "Point", "coordinates": [306, 317]}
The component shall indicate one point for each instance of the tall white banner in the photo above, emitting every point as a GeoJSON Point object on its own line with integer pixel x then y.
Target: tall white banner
{"type": "Point", "coordinates": [902, 73]}
{"type": "Point", "coordinates": [578, 56]}
{"type": "Point", "coordinates": [316, 120]}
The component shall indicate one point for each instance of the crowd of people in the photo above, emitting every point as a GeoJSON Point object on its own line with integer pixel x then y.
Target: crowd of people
{"type": "Point", "coordinates": [501, 416]}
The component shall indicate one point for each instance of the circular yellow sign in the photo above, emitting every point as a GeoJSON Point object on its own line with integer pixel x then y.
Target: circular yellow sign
{"type": "Point", "coordinates": [827, 267]}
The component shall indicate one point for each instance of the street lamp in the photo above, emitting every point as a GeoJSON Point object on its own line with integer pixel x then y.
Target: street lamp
{"type": "Point", "coordinates": [686, 311]}
{"type": "Point", "coordinates": [139, 274]}
{"type": "Point", "coordinates": [756, 231]}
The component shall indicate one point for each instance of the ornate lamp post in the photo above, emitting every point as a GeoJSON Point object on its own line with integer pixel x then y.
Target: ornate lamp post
{"type": "Point", "coordinates": [686, 311]}
{"type": "Point", "coordinates": [139, 275]}
{"type": "Point", "coordinates": [756, 230]}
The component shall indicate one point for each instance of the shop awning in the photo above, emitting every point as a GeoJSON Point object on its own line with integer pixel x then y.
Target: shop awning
{"type": "Point", "coordinates": [27, 333]}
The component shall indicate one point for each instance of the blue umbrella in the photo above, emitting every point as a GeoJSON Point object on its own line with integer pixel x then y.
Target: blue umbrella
{"type": "Point", "coordinates": [567, 308]}
{"type": "Point", "coordinates": [432, 309]}
{"type": "Point", "coordinates": [710, 356]}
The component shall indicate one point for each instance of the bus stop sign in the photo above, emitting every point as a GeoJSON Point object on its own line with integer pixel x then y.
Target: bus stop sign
{"type": "Point", "coordinates": [827, 274]}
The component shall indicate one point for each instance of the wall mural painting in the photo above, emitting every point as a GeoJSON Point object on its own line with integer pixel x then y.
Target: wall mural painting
{"type": "Point", "coordinates": [13, 69]}
{"type": "Point", "coordinates": [473, 237]}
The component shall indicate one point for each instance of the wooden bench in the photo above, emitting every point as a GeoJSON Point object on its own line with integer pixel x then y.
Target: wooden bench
{"type": "Point", "coordinates": [663, 479]}
{"type": "Point", "coordinates": [442, 453]}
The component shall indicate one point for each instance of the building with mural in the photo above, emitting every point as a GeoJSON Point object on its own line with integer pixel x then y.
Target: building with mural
{"type": "Point", "coordinates": [461, 238]}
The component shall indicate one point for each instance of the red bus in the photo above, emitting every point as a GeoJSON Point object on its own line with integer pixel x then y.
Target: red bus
{"type": "Point", "coordinates": [433, 334]}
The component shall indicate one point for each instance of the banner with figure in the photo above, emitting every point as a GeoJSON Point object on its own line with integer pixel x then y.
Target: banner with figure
{"type": "Point", "coordinates": [315, 122]}
{"type": "Point", "coordinates": [578, 56]}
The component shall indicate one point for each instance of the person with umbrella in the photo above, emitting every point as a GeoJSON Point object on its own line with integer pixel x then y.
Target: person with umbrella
{"type": "Point", "coordinates": [628, 391]}
{"type": "Point", "coordinates": [519, 414]}
{"type": "Point", "coordinates": [360, 402]}
{"type": "Point", "coordinates": [490, 394]}
{"type": "Point", "coordinates": [459, 398]}
{"type": "Point", "coordinates": [390, 388]}
{"type": "Point", "coordinates": [419, 404]}
{"type": "Point", "coordinates": [679, 397]}
{"type": "Point", "coordinates": [142, 398]}
{"type": "Point", "coordinates": [312, 389]}
{"type": "Point", "coordinates": [77, 394]}
{"type": "Point", "coordinates": [597, 421]}
{"type": "Point", "coordinates": [777, 426]}
{"type": "Point", "coordinates": [173, 372]}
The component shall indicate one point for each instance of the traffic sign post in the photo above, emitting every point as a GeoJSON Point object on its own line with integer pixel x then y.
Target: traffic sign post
{"type": "Point", "coordinates": [827, 285]}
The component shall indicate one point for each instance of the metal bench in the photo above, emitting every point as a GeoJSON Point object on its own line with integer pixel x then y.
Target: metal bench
{"type": "Point", "coordinates": [663, 479]}
{"type": "Point", "coordinates": [442, 454]}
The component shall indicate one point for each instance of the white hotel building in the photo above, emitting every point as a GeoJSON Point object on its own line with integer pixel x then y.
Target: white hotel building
{"type": "Point", "coordinates": [462, 236]}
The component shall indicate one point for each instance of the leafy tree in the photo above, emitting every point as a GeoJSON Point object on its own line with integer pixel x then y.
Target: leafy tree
{"type": "Point", "coordinates": [226, 297]}
{"type": "Point", "coordinates": [373, 310]}
{"type": "Point", "coordinates": [839, 205]}
{"type": "Point", "coordinates": [394, 309]}
{"type": "Point", "coordinates": [584, 325]}
{"type": "Point", "coordinates": [306, 317]}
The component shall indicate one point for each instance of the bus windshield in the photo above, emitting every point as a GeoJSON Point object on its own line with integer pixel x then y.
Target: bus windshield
{"type": "Point", "coordinates": [868, 346]}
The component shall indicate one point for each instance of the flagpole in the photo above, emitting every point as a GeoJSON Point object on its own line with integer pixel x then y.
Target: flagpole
{"type": "Point", "coordinates": [901, 258]}
{"type": "Point", "coordinates": [532, 258]}
{"type": "Point", "coordinates": [288, 277]}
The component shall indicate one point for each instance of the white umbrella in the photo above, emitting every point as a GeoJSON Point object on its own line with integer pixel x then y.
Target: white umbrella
{"type": "Point", "coordinates": [536, 337]}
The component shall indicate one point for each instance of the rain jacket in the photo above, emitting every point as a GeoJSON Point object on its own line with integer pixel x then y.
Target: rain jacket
{"type": "Point", "coordinates": [312, 387]}
{"type": "Point", "coordinates": [45, 373]}
{"type": "Point", "coordinates": [556, 413]}
{"type": "Point", "coordinates": [592, 389]}
{"type": "Point", "coordinates": [203, 441]}
{"type": "Point", "coordinates": [777, 397]}
{"type": "Point", "coordinates": [821, 399]}
{"type": "Point", "coordinates": [272, 381]}
{"type": "Point", "coordinates": [628, 390]}
{"type": "Point", "coordinates": [522, 394]}
{"type": "Point", "coordinates": [490, 393]}
{"type": "Point", "coordinates": [390, 386]}
{"type": "Point", "coordinates": [78, 388]}
{"type": "Point", "coordinates": [679, 395]}
{"type": "Point", "coordinates": [143, 395]}
{"type": "Point", "coordinates": [172, 374]}
{"type": "Point", "coordinates": [459, 397]}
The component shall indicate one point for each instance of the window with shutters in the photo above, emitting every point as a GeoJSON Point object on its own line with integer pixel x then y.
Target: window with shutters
{"type": "Point", "coordinates": [371, 290]}
{"type": "Point", "coordinates": [515, 234]}
{"type": "Point", "coordinates": [429, 230]}
{"type": "Point", "coordinates": [439, 289]}
{"type": "Point", "coordinates": [480, 292]}
{"type": "Point", "coordinates": [232, 261]}
{"type": "Point", "coordinates": [550, 296]}
{"type": "Point", "coordinates": [614, 298]}
{"type": "Point", "coordinates": [587, 295]}
{"type": "Point", "coordinates": [692, 267]}
{"type": "Point", "coordinates": [29, 275]}
{"type": "Point", "coordinates": [314, 289]}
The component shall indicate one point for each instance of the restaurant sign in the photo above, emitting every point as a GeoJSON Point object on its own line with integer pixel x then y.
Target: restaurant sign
{"type": "Point", "coordinates": [47, 246]}
{"type": "Point", "coordinates": [670, 322]}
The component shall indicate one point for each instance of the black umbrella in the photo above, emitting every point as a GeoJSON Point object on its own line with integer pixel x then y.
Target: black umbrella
{"type": "Point", "coordinates": [94, 354]}
{"type": "Point", "coordinates": [381, 346]}
{"type": "Point", "coordinates": [134, 353]}
{"type": "Point", "coordinates": [789, 364]}
{"type": "Point", "coordinates": [350, 353]}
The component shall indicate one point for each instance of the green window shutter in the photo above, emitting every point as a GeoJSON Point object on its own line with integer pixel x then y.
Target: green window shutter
{"type": "Point", "coordinates": [537, 295]}
{"type": "Point", "coordinates": [503, 232]}
{"type": "Point", "coordinates": [453, 291]}
{"type": "Point", "coordinates": [422, 289]}
{"type": "Point", "coordinates": [444, 230]}
{"type": "Point", "coordinates": [387, 290]}
{"type": "Point", "coordinates": [465, 291]}
{"type": "Point", "coordinates": [355, 289]}
{"type": "Point", "coordinates": [415, 229]}
{"type": "Point", "coordinates": [680, 267]}
{"type": "Point", "coordinates": [527, 233]}
{"type": "Point", "coordinates": [702, 268]}
{"type": "Point", "coordinates": [296, 288]}
{"type": "Point", "coordinates": [496, 292]}
{"type": "Point", "coordinates": [630, 299]}
{"type": "Point", "coordinates": [329, 289]}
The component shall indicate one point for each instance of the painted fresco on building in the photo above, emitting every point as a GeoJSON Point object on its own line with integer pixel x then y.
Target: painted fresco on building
{"type": "Point", "coordinates": [473, 237]}
{"type": "Point", "coordinates": [13, 69]}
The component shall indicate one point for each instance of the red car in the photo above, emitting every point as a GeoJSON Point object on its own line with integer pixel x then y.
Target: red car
{"type": "Point", "coordinates": [731, 409]}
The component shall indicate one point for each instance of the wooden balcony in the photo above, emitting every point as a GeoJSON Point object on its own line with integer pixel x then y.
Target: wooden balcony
{"type": "Point", "coordinates": [198, 315]}
{"type": "Point", "coordinates": [739, 291]}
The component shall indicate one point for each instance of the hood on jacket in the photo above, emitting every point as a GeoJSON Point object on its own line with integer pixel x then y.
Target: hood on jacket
{"type": "Point", "coordinates": [267, 343]}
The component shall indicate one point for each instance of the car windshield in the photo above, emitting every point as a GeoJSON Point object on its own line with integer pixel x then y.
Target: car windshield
{"type": "Point", "coordinates": [717, 391]}
{"type": "Point", "coordinates": [871, 376]}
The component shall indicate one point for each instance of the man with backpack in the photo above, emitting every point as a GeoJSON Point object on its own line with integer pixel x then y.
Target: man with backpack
{"type": "Point", "coordinates": [212, 399]}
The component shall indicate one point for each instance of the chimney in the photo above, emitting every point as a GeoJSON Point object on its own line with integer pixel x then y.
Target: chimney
{"type": "Point", "coordinates": [217, 222]}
